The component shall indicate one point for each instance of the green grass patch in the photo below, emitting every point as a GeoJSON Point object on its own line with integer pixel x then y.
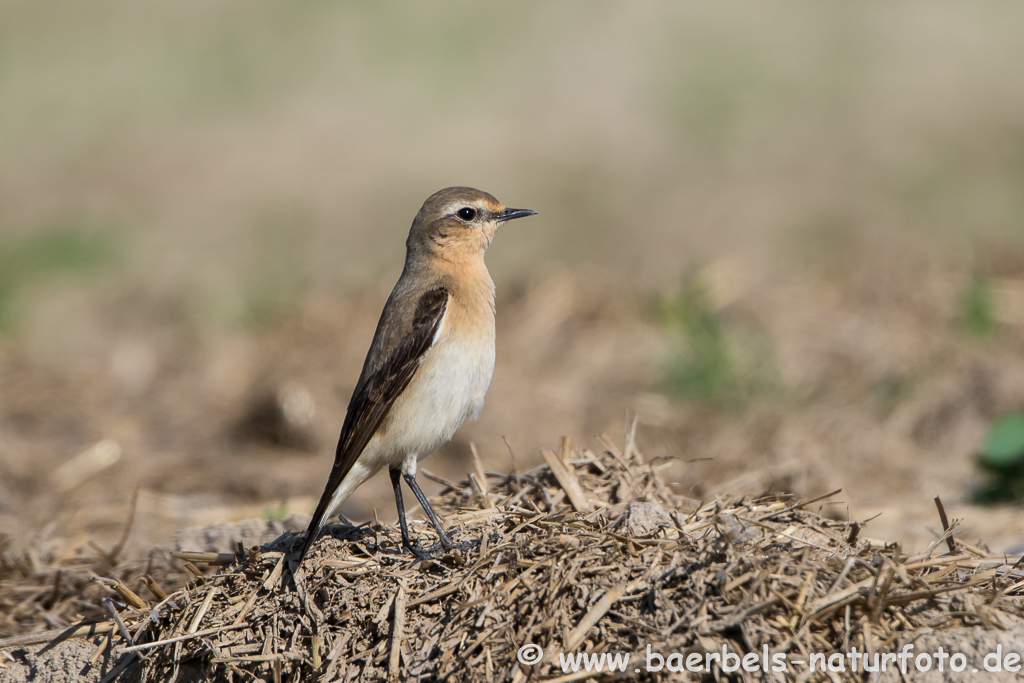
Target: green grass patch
{"type": "Point", "coordinates": [977, 312]}
{"type": "Point", "coordinates": [276, 278]}
{"type": "Point", "coordinates": [280, 512]}
{"type": "Point", "coordinates": [712, 359]}
{"type": "Point", "coordinates": [65, 248]}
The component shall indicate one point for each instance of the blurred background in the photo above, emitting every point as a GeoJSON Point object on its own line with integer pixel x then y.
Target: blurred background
{"type": "Point", "coordinates": [787, 241]}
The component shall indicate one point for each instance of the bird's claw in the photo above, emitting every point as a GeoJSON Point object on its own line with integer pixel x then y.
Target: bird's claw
{"type": "Point", "coordinates": [444, 546]}
{"type": "Point", "coordinates": [429, 552]}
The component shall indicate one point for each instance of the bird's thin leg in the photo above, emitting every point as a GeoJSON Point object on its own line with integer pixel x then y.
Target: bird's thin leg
{"type": "Point", "coordinates": [396, 483]}
{"type": "Point", "coordinates": [410, 479]}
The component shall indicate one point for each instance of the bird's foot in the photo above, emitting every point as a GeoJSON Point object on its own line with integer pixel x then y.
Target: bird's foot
{"type": "Point", "coordinates": [444, 546]}
{"type": "Point", "coordinates": [422, 552]}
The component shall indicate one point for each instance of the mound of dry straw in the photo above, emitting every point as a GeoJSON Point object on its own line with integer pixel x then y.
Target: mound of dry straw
{"type": "Point", "coordinates": [589, 552]}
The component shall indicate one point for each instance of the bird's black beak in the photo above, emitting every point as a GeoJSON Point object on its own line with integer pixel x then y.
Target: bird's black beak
{"type": "Point", "coordinates": [509, 214]}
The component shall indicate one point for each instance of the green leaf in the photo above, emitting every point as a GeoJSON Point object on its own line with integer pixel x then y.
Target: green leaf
{"type": "Point", "coordinates": [1004, 445]}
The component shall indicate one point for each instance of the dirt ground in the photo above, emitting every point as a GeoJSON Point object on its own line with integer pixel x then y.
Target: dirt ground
{"type": "Point", "coordinates": [783, 244]}
{"type": "Point", "coordinates": [878, 392]}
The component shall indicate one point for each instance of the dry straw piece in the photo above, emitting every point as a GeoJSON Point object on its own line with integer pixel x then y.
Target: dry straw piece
{"type": "Point", "coordinates": [588, 552]}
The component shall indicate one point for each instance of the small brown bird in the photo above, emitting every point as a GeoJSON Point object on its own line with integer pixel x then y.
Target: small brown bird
{"type": "Point", "coordinates": [431, 359]}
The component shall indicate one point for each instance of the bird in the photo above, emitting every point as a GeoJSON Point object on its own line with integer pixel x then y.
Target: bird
{"type": "Point", "coordinates": [431, 359]}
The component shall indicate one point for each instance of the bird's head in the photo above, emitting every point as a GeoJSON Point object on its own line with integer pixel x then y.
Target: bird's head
{"type": "Point", "coordinates": [459, 223]}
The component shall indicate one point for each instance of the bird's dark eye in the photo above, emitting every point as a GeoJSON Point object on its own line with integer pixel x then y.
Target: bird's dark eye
{"type": "Point", "coordinates": [466, 213]}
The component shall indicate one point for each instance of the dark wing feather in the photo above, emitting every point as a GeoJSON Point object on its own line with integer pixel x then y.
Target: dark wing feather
{"type": "Point", "coordinates": [374, 396]}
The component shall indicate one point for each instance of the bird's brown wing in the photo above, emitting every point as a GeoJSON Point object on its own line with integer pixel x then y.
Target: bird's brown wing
{"type": "Point", "coordinates": [375, 394]}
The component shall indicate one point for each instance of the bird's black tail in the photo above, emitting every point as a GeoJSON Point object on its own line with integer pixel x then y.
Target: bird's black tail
{"type": "Point", "coordinates": [317, 523]}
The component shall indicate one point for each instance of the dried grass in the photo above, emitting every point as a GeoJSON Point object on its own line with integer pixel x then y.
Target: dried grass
{"type": "Point", "coordinates": [643, 567]}
{"type": "Point", "coordinates": [56, 584]}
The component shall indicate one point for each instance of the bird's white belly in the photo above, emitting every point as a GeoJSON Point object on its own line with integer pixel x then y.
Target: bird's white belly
{"type": "Point", "coordinates": [447, 389]}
